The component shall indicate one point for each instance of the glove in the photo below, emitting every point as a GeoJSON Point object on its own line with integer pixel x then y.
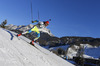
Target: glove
{"type": "Point", "coordinates": [32, 21]}
{"type": "Point", "coordinates": [35, 21]}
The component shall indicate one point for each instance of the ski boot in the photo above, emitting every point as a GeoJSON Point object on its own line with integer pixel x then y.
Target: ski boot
{"type": "Point", "coordinates": [19, 34]}
{"type": "Point", "coordinates": [32, 42]}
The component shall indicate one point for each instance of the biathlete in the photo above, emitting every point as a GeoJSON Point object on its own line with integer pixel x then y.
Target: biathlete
{"type": "Point", "coordinates": [36, 28]}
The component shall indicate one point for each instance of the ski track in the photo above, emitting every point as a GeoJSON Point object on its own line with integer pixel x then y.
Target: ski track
{"type": "Point", "coordinates": [15, 52]}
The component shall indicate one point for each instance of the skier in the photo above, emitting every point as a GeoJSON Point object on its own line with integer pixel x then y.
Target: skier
{"type": "Point", "coordinates": [36, 28]}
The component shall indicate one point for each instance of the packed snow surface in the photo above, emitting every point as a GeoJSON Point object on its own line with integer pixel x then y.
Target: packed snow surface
{"type": "Point", "coordinates": [15, 52]}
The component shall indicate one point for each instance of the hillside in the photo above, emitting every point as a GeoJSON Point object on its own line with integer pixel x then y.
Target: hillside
{"type": "Point", "coordinates": [15, 52]}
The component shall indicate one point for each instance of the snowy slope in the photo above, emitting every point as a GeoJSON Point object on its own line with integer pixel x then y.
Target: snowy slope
{"type": "Point", "coordinates": [15, 52]}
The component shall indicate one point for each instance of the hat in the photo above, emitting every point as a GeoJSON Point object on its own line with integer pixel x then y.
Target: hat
{"type": "Point", "coordinates": [47, 22]}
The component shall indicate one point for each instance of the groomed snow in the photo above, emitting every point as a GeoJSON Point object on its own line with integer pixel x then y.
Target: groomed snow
{"type": "Point", "coordinates": [15, 52]}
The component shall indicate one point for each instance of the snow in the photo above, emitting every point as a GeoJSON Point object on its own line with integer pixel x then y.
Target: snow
{"type": "Point", "coordinates": [72, 51]}
{"type": "Point", "coordinates": [90, 51]}
{"type": "Point", "coordinates": [15, 52]}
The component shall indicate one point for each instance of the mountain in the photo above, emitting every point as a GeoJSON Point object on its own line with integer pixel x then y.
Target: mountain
{"type": "Point", "coordinates": [17, 52]}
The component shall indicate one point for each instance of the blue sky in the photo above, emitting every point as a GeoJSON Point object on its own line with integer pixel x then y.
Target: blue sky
{"type": "Point", "coordinates": [69, 17]}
